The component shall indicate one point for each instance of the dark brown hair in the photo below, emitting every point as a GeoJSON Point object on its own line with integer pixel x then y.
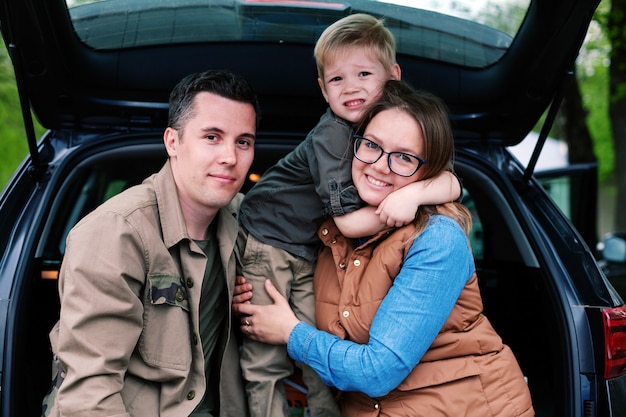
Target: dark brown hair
{"type": "Point", "coordinates": [431, 113]}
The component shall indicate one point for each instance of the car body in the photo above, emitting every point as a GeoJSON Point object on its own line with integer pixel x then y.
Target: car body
{"type": "Point", "coordinates": [97, 75]}
{"type": "Point", "coordinates": [612, 248]}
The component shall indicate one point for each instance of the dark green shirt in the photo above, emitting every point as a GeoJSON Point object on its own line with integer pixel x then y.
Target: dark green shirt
{"type": "Point", "coordinates": [213, 310]}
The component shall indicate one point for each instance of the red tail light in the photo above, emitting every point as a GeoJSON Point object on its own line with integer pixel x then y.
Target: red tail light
{"type": "Point", "coordinates": [614, 341]}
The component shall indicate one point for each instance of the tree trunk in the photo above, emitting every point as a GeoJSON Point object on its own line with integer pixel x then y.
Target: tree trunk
{"type": "Point", "coordinates": [583, 189]}
{"type": "Point", "coordinates": [579, 142]}
{"type": "Point", "coordinates": [617, 103]}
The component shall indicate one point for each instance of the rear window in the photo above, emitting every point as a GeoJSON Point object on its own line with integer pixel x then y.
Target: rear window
{"type": "Point", "coordinates": [473, 33]}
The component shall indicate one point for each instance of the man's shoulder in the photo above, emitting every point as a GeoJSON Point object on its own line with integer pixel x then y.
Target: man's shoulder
{"type": "Point", "coordinates": [136, 197]}
{"type": "Point", "coordinates": [140, 197]}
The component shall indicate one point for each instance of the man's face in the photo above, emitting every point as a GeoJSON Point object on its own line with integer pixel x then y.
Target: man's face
{"type": "Point", "coordinates": [211, 159]}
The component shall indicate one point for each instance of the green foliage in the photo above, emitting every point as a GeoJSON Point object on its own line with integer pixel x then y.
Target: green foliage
{"type": "Point", "coordinates": [595, 90]}
{"type": "Point", "coordinates": [14, 145]}
{"type": "Point", "coordinates": [593, 80]}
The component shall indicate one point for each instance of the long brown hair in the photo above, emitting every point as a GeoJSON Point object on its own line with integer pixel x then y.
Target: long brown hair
{"type": "Point", "coordinates": [432, 115]}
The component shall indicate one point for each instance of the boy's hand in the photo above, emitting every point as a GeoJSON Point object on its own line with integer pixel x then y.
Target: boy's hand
{"type": "Point", "coordinates": [242, 293]}
{"type": "Point", "coordinates": [399, 208]}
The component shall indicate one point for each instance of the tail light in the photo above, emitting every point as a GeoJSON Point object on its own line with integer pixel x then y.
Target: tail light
{"type": "Point", "coordinates": [614, 341]}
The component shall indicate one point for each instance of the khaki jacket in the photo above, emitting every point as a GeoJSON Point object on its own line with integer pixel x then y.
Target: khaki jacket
{"type": "Point", "coordinates": [467, 360]}
{"type": "Point", "coordinates": [128, 336]}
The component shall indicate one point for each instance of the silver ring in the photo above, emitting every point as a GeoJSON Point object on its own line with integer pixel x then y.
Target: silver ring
{"type": "Point", "coordinates": [247, 323]}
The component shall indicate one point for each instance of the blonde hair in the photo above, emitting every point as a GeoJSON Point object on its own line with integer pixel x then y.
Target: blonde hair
{"type": "Point", "coordinates": [356, 30]}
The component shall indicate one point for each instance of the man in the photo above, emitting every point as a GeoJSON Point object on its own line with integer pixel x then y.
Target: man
{"type": "Point", "coordinates": [145, 328]}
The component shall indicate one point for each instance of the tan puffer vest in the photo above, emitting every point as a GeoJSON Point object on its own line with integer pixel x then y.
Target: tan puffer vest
{"type": "Point", "coordinates": [350, 284]}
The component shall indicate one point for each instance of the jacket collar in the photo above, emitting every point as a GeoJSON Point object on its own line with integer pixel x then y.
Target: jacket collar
{"type": "Point", "coordinates": [171, 216]}
{"type": "Point", "coordinates": [329, 234]}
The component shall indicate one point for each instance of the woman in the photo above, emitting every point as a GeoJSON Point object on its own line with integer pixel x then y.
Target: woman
{"type": "Point", "coordinates": [403, 307]}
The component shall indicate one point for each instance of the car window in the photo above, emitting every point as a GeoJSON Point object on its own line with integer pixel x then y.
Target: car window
{"type": "Point", "coordinates": [573, 187]}
{"type": "Point", "coordinates": [473, 33]}
{"type": "Point", "coordinates": [476, 233]}
{"type": "Point", "coordinates": [575, 190]}
{"type": "Point", "coordinates": [89, 186]}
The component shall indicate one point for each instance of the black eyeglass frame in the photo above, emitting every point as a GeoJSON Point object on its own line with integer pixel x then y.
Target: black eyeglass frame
{"type": "Point", "coordinates": [358, 139]}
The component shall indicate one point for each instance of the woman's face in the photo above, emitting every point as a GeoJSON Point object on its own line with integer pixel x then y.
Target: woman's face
{"type": "Point", "coordinates": [393, 130]}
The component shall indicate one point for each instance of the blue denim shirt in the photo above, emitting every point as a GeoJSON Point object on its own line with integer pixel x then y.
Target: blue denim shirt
{"type": "Point", "coordinates": [285, 208]}
{"type": "Point", "coordinates": [436, 269]}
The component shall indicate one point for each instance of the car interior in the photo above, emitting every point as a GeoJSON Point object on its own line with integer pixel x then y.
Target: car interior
{"type": "Point", "coordinates": [508, 274]}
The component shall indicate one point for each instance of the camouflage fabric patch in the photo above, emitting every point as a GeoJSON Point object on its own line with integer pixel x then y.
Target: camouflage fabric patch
{"type": "Point", "coordinates": [58, 375]}
{"type": "Point", "coordinates": [167, 289]}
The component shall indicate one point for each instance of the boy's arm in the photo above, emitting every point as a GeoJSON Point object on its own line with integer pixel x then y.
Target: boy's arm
{"type": "Point", "coordinates": [399, 207]}
{"type": "Point", "coordinates": [360, 223]}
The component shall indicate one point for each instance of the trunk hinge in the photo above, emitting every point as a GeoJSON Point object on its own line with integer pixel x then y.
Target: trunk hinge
{"type": "Point", "coordinates": [547, 125]}
{"type": "Point", "coordinates": [38, 168]}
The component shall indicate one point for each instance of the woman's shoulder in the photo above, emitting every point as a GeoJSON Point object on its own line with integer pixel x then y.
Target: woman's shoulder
{"type": "Point", "coordinates": [444, 228]}
{"type": "Point", "coordinates": [440, 219]}
{"type": "Point", "coordinates": [443, 238]}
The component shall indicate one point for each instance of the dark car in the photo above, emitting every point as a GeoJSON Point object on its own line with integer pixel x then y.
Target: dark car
{"type": "Point", "coordinates": [97, 75]}
{"type": "Point", "coordinates": [612, 247]}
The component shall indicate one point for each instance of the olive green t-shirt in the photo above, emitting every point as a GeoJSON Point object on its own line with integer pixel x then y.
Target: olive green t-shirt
{"type": "Point", "coordinates": [212, 318]}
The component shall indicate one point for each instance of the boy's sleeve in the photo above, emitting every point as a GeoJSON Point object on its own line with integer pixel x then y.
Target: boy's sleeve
{"type": "Point", "coordinates": [343, 199]}
{"type": "Point", "coordinates": [330, 154]}
{"type": "Point", "coordinates": [460, 198]}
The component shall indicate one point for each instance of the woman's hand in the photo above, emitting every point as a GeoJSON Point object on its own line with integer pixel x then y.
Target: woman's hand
{"type": "Point", "coordinates": [267, 323]}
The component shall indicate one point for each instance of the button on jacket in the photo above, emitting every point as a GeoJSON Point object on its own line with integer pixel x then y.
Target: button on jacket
{"type": "Point", "coordinates": [130, 290]}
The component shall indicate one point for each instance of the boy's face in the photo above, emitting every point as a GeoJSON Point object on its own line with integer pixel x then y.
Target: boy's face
{"type": "Point", "coordinates": [354, 78]}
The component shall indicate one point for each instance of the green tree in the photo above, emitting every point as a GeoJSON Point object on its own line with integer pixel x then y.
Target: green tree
{"type": "Point", "coordinates": [616, 29]}
{"type": "Point", "coordinates": [14, 146]}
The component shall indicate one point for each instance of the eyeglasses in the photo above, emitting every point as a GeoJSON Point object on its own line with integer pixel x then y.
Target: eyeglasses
{"type": "Point", "coordinates": [369, 152]}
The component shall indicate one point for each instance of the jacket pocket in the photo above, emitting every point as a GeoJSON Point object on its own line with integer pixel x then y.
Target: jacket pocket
{"type": "Point", "coordinates": [429, 374]}
{"type": "Point", "coordinates": [141, 397]}
{"type": "Point", "coordinates": [166, 340]}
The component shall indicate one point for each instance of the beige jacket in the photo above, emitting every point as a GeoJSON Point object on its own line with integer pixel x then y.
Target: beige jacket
{"type": "Point", "coordinates": [128, 338]}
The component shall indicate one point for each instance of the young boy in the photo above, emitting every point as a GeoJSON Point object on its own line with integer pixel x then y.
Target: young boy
{"type": "Point", "coordinates": [280, 215]}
